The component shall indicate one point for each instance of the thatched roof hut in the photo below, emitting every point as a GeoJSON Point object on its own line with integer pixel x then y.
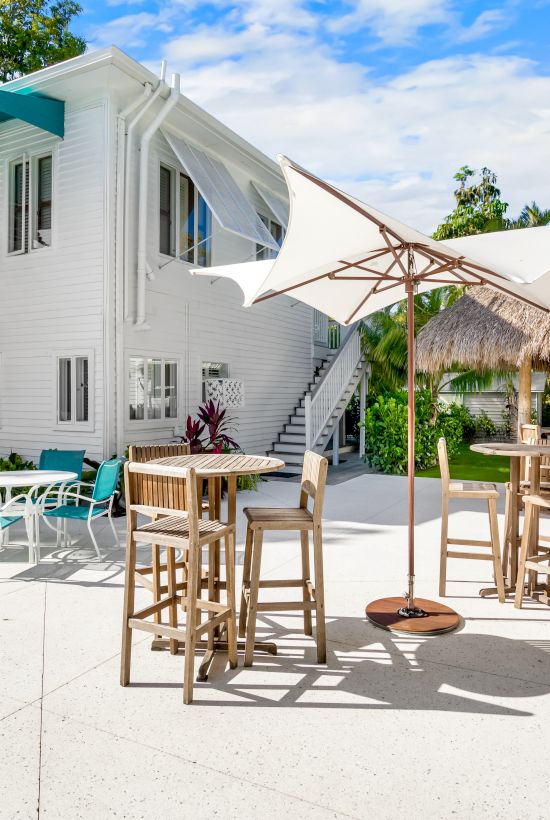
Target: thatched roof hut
{"type": "Point", "coordinates": [484, 330]}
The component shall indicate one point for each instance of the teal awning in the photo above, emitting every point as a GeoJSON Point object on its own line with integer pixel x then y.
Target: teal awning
{"type": "Point", "coordinates": [26, 105]}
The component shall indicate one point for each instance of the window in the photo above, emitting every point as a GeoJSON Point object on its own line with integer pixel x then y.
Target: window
{"type": "Point", "coordinates": [276, 232]}
{"type": "Point", "coordinates": [30, 204]}
{"type": "Point", "coordinates": [192, 241]}
{"type": "Point", "coordinates": [73, 390]}
{"type": "Point", "coordinates": [153, 389]}
{"type": "Point", "coordinates": [18, 206]}
{"type": "Point", "coordinates": [215, 370]}
{"type": "Point", "coordinates": [166, 211]}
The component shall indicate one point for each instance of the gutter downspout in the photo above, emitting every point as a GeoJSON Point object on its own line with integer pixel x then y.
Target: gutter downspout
{"type": "Point", "coordinates": [141, 272]}
{"type": "Point", "coordinates": [122, 151]}
{"type": "Point", "coordinates": [161, 87]}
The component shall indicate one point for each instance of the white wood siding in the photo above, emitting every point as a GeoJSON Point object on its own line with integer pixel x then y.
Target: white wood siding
{"type": "Point", "coordinates": [268, 347]}
{"type": "Point", "coordinates": [52, 299]}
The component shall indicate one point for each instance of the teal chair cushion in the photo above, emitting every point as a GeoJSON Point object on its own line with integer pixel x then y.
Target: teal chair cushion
{"type": "Point", "coordinates": [8, 520]}
{"type": "Point", "coordinates": [69, 461]}
{"type": "Point", "coordinates": [79, 513]}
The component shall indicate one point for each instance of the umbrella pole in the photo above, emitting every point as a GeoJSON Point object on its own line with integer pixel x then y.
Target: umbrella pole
{"type": "Point", "coordinates": [411, 418]}
{"type": "Point", "coordinates": [407, 614]}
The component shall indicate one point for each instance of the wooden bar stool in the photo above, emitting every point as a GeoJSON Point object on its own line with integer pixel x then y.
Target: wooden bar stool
{"type": "Point", "coordinates": [188, 534]}
{"type": "Point", "coordinates": [467, 490]}
{"type": "Point", "coordinates": [533, 554]}
{"type": "Point", "coordinates": [300, 519]}
{"type": "Point", "coordinates": [156, 496]}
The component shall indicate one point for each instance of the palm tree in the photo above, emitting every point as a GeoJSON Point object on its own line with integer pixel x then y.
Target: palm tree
{"type": "Point", "coordinates": [385, 341]}
{"type": "Point", "coordinates": [531, 217]}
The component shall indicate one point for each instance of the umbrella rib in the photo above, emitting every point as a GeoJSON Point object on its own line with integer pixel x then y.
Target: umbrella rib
{"type": "Point", "coordinates": [396, 256]}
{"type": "Point", "coordinates": [373, 290]}
{"type": "Point", "coordinates": [291, 287]}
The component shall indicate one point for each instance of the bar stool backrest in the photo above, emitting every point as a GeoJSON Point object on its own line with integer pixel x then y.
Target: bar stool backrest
{"type": "Point", "coordinates": [155, 490]}
{"type": "Point", "coordinates": [314, 480]}
{"type": "Point", "coordinates": [136, 478]}
{"type": "Point", "coordinates": [443, 462]}
{"type": "Point", "coordinates": [531, 434]}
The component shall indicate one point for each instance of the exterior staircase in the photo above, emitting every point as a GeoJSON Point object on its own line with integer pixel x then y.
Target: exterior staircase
{"type": "Point", "coordinates": [315, 419]}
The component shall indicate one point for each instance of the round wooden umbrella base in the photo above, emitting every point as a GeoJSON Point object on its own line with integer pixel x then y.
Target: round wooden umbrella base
{"type": "Point", "coordinates": [435, 618]}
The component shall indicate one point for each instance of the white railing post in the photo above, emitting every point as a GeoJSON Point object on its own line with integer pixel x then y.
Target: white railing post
{"type": "Point", "coordinates": [307, 408]}
{"type": "Point", "coordinates": [362, 406]}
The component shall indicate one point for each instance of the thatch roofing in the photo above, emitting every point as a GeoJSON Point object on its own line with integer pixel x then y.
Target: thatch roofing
{"type": "Point", "coordinates": [483, 330]}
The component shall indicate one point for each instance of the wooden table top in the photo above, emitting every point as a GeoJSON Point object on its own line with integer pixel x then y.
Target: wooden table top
{"type": "Point", "coordinates": [510, 449]}
{"type": "Point", "coordinates": [211, 465]}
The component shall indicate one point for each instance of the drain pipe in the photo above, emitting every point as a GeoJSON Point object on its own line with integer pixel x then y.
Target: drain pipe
{"type": "Point", "coordinates": [123, 148]}
{"type": "Point", "coordinates": [141, 272]}
{"type": "Point", "coordinates": [160, 89]}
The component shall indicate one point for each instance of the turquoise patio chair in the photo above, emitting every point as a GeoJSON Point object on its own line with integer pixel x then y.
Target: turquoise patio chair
{"type": "Point", "coordinates": [70, 461]}
{"type": "Point", "coordinates": [77, 507]}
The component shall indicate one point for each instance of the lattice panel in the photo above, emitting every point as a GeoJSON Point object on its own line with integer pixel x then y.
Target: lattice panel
{"type": "Point", "coordinates": [230, 392]}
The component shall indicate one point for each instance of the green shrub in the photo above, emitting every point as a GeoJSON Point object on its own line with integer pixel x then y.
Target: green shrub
{"type": "Point", "coordinates": [485, 426]}
{"type": "Point", "coordinates": [467, 421]}
{"type": "Point", "coordinates": [386, 431]}
{"type": "Point", "coordinates": [15, 462]}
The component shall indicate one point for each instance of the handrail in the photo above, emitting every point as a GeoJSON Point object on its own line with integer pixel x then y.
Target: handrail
{"type": "Point", "coordinates": [320, 407]}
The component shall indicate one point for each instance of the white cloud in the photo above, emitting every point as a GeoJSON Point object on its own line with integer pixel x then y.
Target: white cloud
{"type": "Point", "coordinates": [395, 21]}
{"type": "Point", "coordinates": [486, 23]}
{"type": "Point", "coordinates": [129, 31]}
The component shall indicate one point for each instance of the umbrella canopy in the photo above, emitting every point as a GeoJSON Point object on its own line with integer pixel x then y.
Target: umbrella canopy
{"type": "Point", "coordinates": [348, 259]}
{"type": "Point", "coordinates": [484, 330]}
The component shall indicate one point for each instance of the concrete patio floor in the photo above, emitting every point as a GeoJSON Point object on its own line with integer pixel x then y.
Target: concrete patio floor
{"type": "Point", "coordinates": [453, 726]}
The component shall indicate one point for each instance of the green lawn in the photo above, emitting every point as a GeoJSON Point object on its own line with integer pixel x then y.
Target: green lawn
{"type": "Point", "coordinates": [473, 466]}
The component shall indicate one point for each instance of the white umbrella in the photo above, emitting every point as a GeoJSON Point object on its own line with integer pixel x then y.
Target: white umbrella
{"type": "Point", "coordinates": [348, 260]}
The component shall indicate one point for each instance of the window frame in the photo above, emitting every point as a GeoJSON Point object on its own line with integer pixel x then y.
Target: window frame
{"type": "Point", "coordinates": [73, 424]}
{"type": "Point", "coordinates": [31, 159]}
{"type": "Point", "coordinates": [165, 358]}
{"type": "Point", "coordinates": [269, 253]}
{"type": "Point", "coordinates": [175, 220]}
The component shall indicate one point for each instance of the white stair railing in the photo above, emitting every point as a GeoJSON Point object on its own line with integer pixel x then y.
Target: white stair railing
{"type": "Point", "coordinates": [320, 407]}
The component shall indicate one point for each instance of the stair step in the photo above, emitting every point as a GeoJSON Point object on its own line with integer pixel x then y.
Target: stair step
{"type": "Point", "coordinates": [286, 447]}
{"type": "Point", "coordinates": [293, 438]}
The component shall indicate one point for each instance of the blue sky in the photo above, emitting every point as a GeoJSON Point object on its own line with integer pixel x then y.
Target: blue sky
{"type": "Point", "coordinates": [387, 98]}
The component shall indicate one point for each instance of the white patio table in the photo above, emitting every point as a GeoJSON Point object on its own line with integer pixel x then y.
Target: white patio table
{"type": "Point", "coordinates": [34, 480]}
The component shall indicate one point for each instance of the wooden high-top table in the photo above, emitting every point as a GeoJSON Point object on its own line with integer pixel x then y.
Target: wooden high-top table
{"type": "Point", "coordinates": [213, 468]}
{"type": "Point", "coordinates": [515, 452]}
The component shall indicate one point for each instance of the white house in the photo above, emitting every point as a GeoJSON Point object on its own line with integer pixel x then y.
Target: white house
{"type": "Point", "coordinates": [112, 185]}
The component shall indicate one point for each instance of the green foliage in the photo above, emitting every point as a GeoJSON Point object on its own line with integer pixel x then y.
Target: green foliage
{"type": "Point", "coordinates": [531, 217]}
{"type": "Point", "coordinates": [15, 462]}
{"type": "Point", "coordinates": [386, 431]}
{"type": "Point", "coordinates": [35, 34]}
{"type": "Point", "coordinates": [478, 208]}
{"type": "Point", "coordinates": [485, 427]}
{"type": "Point", "coordinates": [465, 419]}
{"type": "Point", "coordinates": [248, 482]}
{"type": "Point", "coordinates": [384, 336]}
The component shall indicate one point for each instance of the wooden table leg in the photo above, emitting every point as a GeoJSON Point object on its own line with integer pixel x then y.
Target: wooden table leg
{"type": "Point", "coordinates": [534, 480]}
{"type": "Point", "coordinates": [511, 533]}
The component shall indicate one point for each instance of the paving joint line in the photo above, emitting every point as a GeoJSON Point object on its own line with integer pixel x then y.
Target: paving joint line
{"type": "Point", "coordinates": [42, 697]}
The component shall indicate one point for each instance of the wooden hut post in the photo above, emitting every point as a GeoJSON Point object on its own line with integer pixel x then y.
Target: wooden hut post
{"type": "Point", "coordinates": [524, 394]}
